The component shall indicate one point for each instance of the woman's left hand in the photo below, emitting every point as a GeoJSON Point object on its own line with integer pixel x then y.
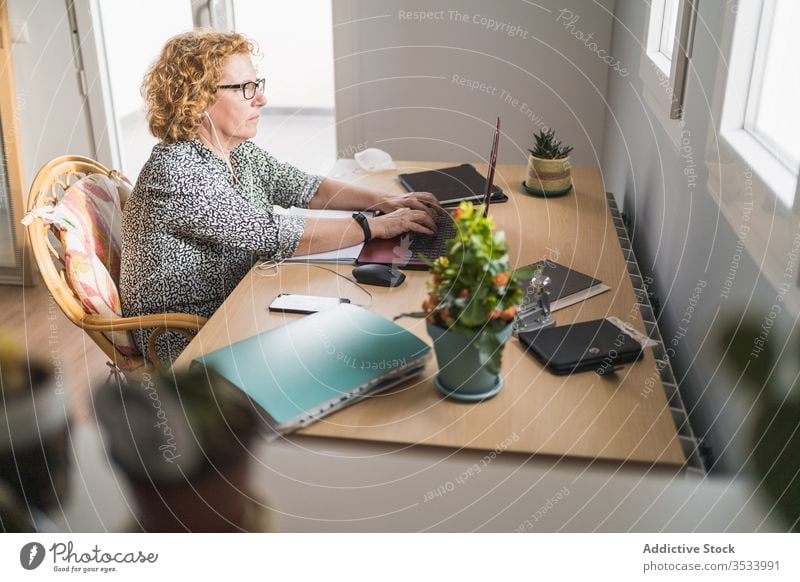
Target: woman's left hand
{"type": "Point", "coordinates": [414, 200]}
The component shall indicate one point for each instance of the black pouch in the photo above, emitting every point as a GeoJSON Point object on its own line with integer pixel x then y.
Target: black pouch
{"type": "Point", "coordinates": [597, 345]}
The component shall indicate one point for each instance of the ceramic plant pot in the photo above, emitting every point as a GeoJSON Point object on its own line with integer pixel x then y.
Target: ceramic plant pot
{"type": "Point", "coordinates": [548, 178]}
{"type": "Point", "coordinates": [462, 375]}
{"type": "Point", "coordinates": [35, 457]}
{"type": "Point", "coordinates": [217, 500]}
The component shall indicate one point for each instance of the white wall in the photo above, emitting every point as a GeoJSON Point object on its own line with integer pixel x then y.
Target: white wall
{"type": "Point", "coordinates": [690, 201]}
{"type": "Point", "coordinates": [398, 78]}
{"type": "Point", "coordinates": [560, 81]}
{"type": "Point", "coordinates": [296, 41]}
{"type": "Point", "coordinates": [52, 119]}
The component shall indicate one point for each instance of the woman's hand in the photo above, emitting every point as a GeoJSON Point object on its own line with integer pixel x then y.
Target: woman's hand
{"type": "Point", "coordinates": [413, 200]}
{"type": "Point", "coordinates": [400, 221]}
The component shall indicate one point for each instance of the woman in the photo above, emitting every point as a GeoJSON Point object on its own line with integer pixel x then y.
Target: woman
{"type": "Point", "coordinates": [202, 212]}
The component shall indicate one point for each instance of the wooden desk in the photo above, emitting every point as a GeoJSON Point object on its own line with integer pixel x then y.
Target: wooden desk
{"type": "Point", "coordinates": [615, 418]}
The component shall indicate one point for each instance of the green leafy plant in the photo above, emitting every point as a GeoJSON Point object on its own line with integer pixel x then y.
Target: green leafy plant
{"type": "Point", "coordinates": [768, 366]}
{"type": "Point", "coordinates": [219, 415]}
{"type": "Point", "coordinates": [175, 423]}
{"type": "Point", "coordinates": [547, 147]}
{"type": "Point", "coordinates": [182, 438]}
{"type": "Point", "coordinates": [473, 290]}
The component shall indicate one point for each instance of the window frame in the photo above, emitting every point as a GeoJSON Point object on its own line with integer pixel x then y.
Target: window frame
{"type": "Point", "coordinates": [758, 151]}
{"type": "Point", "coordinates": [668, 42]}
{"type": "Point", "coordinates": [756, 88]}
{"type": "Point", "coordinates": [654, 38]}
{"type": "Point", "coordinates": [664, 79]}
{"type": "Point", "coordinates": [23, 271]}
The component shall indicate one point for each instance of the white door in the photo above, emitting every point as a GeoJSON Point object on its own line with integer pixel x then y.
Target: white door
{"type": "Point", "coordinates": [119, 41]}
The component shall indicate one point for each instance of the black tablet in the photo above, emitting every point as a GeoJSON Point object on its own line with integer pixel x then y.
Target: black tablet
{"type": "Point", "coordinates": [452, 185]}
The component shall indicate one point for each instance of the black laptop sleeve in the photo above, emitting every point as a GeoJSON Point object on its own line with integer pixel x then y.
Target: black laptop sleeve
{"type": "Point", "coordinates": [597, 345]}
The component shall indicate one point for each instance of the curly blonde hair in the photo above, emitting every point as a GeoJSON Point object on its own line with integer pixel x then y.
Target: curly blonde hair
{"type": "Point", "coordinates": [182, 82]}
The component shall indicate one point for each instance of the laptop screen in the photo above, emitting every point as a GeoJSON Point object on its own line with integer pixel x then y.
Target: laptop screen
{"type": "Point", "coordinates": [487, 195]}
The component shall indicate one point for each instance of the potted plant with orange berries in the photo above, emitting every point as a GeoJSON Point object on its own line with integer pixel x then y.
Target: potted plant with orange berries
{"type": "Point", "coordinates": [473, 298]}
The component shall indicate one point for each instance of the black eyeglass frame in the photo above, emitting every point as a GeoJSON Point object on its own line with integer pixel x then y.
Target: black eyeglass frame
{"type": "Point", "coordinates": [258, 85]}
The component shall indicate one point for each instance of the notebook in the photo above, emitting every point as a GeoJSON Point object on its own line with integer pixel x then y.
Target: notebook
{"type": "Point", "coordinates": [567, 286]}
{"type": "Point", "coordinates": [451, 185]}
{"type": "Point", "coordinates": [316, 365]}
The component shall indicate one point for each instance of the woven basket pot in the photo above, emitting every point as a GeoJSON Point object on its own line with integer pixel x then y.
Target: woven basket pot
{"type": "Point", "coordinates": [548, 178]}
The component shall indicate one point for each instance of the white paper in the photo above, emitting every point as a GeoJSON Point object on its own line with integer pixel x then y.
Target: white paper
{"type": "Point", "coordinates": [343, 255]}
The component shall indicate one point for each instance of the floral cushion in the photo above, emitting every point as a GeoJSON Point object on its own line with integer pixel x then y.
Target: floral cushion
{"type": "Point", "coordinates": [89, 219]}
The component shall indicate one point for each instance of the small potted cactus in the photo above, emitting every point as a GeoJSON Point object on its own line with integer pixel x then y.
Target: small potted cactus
{"type": "Point", "coordinates": [548, 167]}
{"type": "Point", "coordinates": [34, 424]}
{"type": "Point", "coordinates": [182, 438]}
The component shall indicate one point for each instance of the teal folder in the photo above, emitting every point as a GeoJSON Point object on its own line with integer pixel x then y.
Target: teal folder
{"type": "Point", "coordinates": [313, 366]}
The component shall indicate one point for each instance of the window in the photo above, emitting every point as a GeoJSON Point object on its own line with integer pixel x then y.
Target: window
{"type": "Point", "coordinates": [664, 64]}
{"type": "Point", "coordinates": [661, 32]}
{"type": "Point", "coordinates": [760, 119]}
{"type": "Point", "coordinates": [669, 22]}
{"type": "Point", "coordinates": [772, 115]}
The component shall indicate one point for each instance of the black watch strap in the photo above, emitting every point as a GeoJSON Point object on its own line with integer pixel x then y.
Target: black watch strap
{"type": "Point", "coordinates": [362, 221]}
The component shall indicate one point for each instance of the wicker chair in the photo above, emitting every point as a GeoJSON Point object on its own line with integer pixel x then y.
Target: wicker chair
{"type": "Point", "coordinates": [48, 187]}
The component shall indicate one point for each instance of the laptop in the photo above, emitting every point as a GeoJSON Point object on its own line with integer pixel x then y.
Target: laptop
{"type": "Point", "coordinates": [414, 250]}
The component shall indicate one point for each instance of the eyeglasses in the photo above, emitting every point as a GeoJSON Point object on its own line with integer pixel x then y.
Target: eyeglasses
{"type": "Point", "coordinates": [248, 89]}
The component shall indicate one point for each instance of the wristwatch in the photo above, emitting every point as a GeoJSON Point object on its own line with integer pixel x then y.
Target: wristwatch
{"type": "Point", "coordinates": [362, 221]}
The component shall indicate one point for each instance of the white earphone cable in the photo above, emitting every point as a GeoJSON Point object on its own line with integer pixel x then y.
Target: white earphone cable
{"type": "Point", "coordinates": [225, 155]}
{"type": "Point", "coordinates": [269, 265]}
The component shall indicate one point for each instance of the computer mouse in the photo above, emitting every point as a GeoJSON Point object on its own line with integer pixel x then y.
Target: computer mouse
{"type": "Point", "coordinates": [381, 275]}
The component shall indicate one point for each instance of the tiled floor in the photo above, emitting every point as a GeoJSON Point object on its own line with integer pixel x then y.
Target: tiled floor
{"type": "Point", "coordinates": [32, 317]}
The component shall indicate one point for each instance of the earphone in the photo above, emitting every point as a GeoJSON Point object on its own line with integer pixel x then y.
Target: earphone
{"type": "Point", "coordinates": [219, 145]}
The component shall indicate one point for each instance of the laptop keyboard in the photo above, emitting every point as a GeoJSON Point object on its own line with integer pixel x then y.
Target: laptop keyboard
{"type": "Point", "coordinates": [430, 248]}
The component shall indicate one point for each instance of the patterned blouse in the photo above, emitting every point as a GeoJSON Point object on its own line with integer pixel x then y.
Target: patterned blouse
{"type": "Point", "coordinates": [189, 235]}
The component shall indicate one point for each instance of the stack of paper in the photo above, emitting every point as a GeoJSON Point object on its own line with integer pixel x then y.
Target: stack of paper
{"type": "Point", "coordinates": [343, 255]}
